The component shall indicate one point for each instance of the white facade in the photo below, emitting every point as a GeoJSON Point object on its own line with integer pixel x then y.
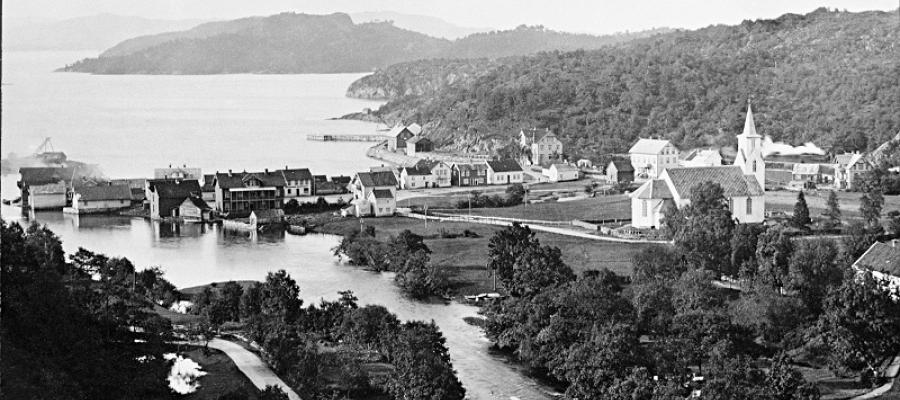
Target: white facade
{"type": "Point", "coordinates": [749, 155]}
{"type": "Point", "coordinates": [647, 213]}
{"type": "Point", "coordinates": [561, 173]}
{"type": "Point", "coordinates": [503, 178]}
{"type": "Point", "coordinates": [650, 157]}
{"type": "Point", "coordinates": [80, 206]}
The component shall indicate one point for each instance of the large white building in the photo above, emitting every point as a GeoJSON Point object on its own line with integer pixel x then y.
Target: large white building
{"type": "Point", "coordinates": [650, 157]}
{"type": "Point", "coordinates": [742, 183]}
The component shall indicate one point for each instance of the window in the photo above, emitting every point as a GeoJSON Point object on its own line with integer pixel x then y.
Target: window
{"type": "Point", "coordinates": [754, 165]}
{"type": "Point", "coordinates": [644, 208]}
{"type": "Point", "coordinates": [749, 205]}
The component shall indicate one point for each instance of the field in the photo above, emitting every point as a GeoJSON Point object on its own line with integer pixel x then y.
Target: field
{"type": "Point", "coordinates": [596, 208]}
{"type": "Point", "coordinates": [467, 257]}
{"type": "Point", "coordinates": [849, 202]}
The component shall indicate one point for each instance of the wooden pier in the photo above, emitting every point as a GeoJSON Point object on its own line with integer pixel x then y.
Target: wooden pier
{"type": "Point", "coordinates": [346, 138]}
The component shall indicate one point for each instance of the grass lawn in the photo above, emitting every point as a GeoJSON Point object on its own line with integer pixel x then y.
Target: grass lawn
{"type": "Point", "coordinates": [191, 291]}
{"type": "Point", "coordinates": [177, 318]}
{"type": "Point", "coordinates": [467, 257]}
{"type": "Point", "coordinates": [222, 376]}
{"type": "Point", "coordinates": [596, 208]}
{"type": "Point", "coordinates": [849, 202]}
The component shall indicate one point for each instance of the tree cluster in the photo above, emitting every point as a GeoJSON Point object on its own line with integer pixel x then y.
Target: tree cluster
{"type": "Point", "coordinates": [406, 254]}
{"type": "Point", "coordinates": [76, 329]}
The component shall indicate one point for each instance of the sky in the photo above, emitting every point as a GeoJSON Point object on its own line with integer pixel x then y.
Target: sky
{"type": "Point", "coordinates": [591, 16]}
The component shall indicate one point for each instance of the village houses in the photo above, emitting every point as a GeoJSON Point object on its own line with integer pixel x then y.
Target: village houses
{"type": "Point", "coordinates": [742, 183]}
{"type": "Point", "coordinates": [99, 199]}
{"type": "Point", "coordinates": [166, 196]}
{"type": "Point", "coordinates": [469, 174]}
{"type": "Point", "coordinates": [541, 147]}
{"type": "Point", "coordinates": [176, 172]}
{"type": "Point", "coordinates": [298, 182]}
{"type": "Point", "coordinates": [619, 171]}
{"type": "Point", "coordinates": [848, 167]}
{"type": "Point", "coordinates": [425, 174]}
{"type": "Point", "coordinates": [242, 192]}
{"type": "Point", "coordinates": [503, 172]}
{"type": "Point", "coordinates": [701, 158]}
{"type": "Point", "coordinates": [374, 193]}
{"type": "Point", "coordinates": [46, 188]}
{"type": "Point", "coordinates": [194, 209]}
{"type": "Point", "coordinates": [561, 172]}
{"type": "Point", "coordinates": [883, 260]}
{"type": "Point", "coordinates": [418, 144]}
{"type": "Point", "coordinates": [400, 134]}
{"type": "Point", "coordinates": [650, 157]}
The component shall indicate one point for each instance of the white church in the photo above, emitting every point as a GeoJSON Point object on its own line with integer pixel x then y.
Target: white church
{"type": "Point", "coordinates": [743, 184]}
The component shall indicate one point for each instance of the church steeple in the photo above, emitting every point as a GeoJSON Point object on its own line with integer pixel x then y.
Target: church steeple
{"type": "Point", "coordinates": [749, 154]}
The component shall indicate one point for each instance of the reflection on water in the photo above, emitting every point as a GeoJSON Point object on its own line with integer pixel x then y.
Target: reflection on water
{"type": "Point", "coordinates": [196, 254]}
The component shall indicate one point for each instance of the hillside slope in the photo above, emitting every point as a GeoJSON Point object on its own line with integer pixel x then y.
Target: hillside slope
{"type": "Point", "coordinates": [300, 43]}
{"type": "Point", "coordinates": [832, 78]}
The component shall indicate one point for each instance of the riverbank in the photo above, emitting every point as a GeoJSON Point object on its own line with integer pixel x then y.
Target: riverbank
{"type": "Point", "coordinates": [222, 375]}
{"type": "Point", "coordinates": [466, 256]}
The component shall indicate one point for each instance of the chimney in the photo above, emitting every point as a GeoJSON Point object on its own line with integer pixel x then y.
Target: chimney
{"type": "Point", "coordinates": [267, 171]}
{"type": "Point", "coordinates": [229, 173]}
{"type": "Point", "coordinates": [170, 165]}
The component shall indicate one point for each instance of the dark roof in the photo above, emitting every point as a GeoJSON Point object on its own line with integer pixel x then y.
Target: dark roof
{"type": "Point", "coordinates": [382, 194]}
{"type": "Point", "coordinates": [882, 257]}
{"type": "Point", "coordinates": [342, 179]}
{"type": "Point", "coordinates": [380, 178]}
{"type": "Point", "coordinates": [105, 192]}
{"type": "Point", "coordinates": [297, 174]}
{"type": "Point", "coordinates": [320, 178]}
{"type": "Point", "coordinates": [622, 165]}
{"type": "Point", "coordinates": [238, 179]}
{"type": "Point", "coordinates": [507, 165]}
{"type": "Point", "coordinates": [45, 175]}
{"type": "Point", "coordinates": [655, 189]}
{"type": "Point", "coordinates": [209, 183]}
{"type": "Point", "coordinates": [471, 166]}
{"type": "Point", "coordinates": [730, 178]}
{"type": "Point", "coordinates": [197, 202]}
{"type": "Point", "coordinates": [175, 189]}
{"type": "Point", "coordinates": [418, 139]}
{"type": "Point", "coordinates": [418, 169]}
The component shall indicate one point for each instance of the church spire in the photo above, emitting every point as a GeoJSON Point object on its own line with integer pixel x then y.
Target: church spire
{"type": "Point", "coordinates": [749, 125]}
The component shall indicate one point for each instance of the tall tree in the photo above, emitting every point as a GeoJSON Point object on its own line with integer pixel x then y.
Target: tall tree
{"type": "Point", "coordinates": [773, 254]}
{"type": "Point", "coordinates": [861, 319]}
{"type": "Point", "coordinates": [801, 219]}
{"type": "Point", "coordinates": [832, 210]}
{"type": "Point", "coordinates": [704, 229]}
{"type": "Point", "coordinates": [870, 204]}
{"type": "Point", "coordinates": [505, 248]}
{"type": "Point", "coordinates": [813, 270]}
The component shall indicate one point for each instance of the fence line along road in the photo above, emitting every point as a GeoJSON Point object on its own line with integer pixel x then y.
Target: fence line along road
{"type": "Point", "coordinates": [536, 227]}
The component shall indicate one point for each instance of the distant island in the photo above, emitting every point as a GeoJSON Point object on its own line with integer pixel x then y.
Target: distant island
{"type": "Point", "coordinates": [827, 77]}
{"type": "Point", "coordinates": [302, 43]}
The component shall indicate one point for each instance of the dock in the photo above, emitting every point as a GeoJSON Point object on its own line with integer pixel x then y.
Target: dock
{"type": "Point", "coordinates": [346, 138]}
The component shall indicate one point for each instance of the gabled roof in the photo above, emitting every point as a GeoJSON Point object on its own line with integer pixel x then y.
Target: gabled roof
{"type": "Point", "coordinates": [414, 128]}
{"type": "Point", "coordinates": [209, 183]}
{"type": "Point", "coordinates": [105, 192]}
{"type": "Point", "coordinates": [341, 179]}
{"type": "Point", "coordinates": [731, 178]}
{"type": "Point", "coordinates": [881, 257]}
{"type": "Point", "coordinates": [471, 166]}
{"type": "Point", "coordinates": [548, 135]}
{"type": "Point", "coordinates": [297, 174]}
{"type": "Point", "coordinates": [655, 189]}
{"type": "Point", "coordinates": [622, 165]}
{"type": "Point", "coordinates": [382, 194]}
{"type": "Point", "coordinates": [173, 189]}
{"type": "Point", "coordinates": [380, 178]}
{"type": "Point", "coordinates": [45, 175]}
{"type": "Point", "coordinates": [197, 202]}
{"type": "Point", "coordinates": [507, 165]}
{"type": "Point", "coordinates": [50, 188]}
{"type": "Point", "coordinates": [648, 146]}
{"type": "Point", "coordinates": [564, 167]}
{"type": "Point", "coordinates": [417, 170]}
{"type": "Point", "coordinates": [229, 180]}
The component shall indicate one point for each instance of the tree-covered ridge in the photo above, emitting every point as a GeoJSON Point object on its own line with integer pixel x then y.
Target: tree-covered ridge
{"type": "Point", "coordinates": [828, 77]}
{"type": "Point", "coordinates": [301, 43]}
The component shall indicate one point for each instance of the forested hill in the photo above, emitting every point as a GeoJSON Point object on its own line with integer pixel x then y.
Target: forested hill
{"type": "Point", "coordinates": [301, 43]}
{"type": "Point", "coordinates": [829, 77]}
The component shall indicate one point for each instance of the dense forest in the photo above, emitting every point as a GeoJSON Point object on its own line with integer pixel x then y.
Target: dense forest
{"type": "Point", "coordinates": [301, 43]}
{"type": "Point", "coordinates": [829, 77]}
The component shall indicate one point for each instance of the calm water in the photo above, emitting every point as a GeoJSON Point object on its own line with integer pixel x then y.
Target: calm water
{"type": "Point", "coordinates": [131, 124]}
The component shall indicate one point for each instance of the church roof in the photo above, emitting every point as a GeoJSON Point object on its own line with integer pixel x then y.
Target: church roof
{"type": "Point", "coordinates": [731, 178]}
{"type": "Point", "coordinates": [655, 189]}
{"type": "Point", "coordinates": [648, 146]}
{"type": "Point", "coordinates": [750, 125]}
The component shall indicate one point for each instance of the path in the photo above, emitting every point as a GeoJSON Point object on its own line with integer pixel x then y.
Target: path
{"type": "Point", "coordinates": [890, 372]}
{"type": "Point", "coordinates": [252, 366]}
{"type": "Point", "coordinates": [541, 228]}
